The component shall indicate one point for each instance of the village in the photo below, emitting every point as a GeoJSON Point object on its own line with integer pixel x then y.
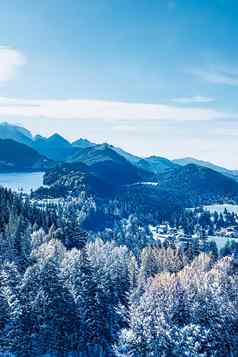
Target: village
{"type": "Point", "coordinates": [166, 234]}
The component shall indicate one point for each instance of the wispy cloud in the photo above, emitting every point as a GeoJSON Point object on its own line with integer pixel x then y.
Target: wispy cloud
{"type": "Point", "coordinates": [105, 110]}
{"type": "Point", "coordinates": [196, 99]}
{"type": "Point", "coordinates": [217, 76]}
{"type": "Point", "coordinates": [10, 60]}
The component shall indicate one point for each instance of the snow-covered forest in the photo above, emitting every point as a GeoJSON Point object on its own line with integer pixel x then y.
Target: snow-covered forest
{"type": "Point", "coordinates": [68, 292]}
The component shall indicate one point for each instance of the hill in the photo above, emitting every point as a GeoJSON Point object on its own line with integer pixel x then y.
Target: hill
{"type": "Point", "coordinates": [15, 157]}
{"type": "Point", "coordinates": [73, 178]}
{"type": "Point", "coordinates": [199, 185]}
{"type": "Point", "coordinates": [189, 160]}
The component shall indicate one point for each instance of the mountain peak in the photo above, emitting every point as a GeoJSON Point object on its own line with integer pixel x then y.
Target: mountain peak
{"type": "Point", "coordinates": [83, 143]}
{"type": "Point", "coordinates": [58, 139]}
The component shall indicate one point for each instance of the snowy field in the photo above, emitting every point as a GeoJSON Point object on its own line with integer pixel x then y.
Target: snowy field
{"type": "Point", "coordinates": [221, 207]}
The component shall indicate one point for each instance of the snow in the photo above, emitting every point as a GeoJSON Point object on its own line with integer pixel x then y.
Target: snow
{"type": "Point", "coordinates": [149, 183]}
{"type": "Point", "coordinates": [221, 207]}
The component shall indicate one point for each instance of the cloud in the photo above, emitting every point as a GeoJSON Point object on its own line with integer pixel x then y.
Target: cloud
{"type": "Point", "coordinates": [10, 61]}
{"type": "Point", "coordinates": [218, 76]}
{"type": "Point", "coordinates": [105, 110]}
{"type": "Point", "coordinates": [95, 109]}
{"type": "Point", "coordinates": [196, 99]}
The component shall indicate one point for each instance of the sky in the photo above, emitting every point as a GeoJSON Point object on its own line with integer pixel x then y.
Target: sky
{"type": "Point", "coordinates": [153, 77]}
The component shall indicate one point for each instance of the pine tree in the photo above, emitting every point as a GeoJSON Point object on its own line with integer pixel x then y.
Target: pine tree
{"type": "Point", "coordinates": [15, 335]}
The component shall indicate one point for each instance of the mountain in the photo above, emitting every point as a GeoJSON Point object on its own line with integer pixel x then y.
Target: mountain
{"type": "Point", "coordinates": [83, 143]}
{"type": "Point", "coordinates": [55, 147]}
{"type": "Point", "coordinates": [199, 185]}
{"type": "Point", "coordinates": [189, 160]}
{"type": "Point", "coordinates": [14, 132]}
{"type": "Point", "coordinates": [15, 157]}
{"type": "Point", "coordinates": [107, 164]}
{"type": "Point", "coordinates": [156, 164]}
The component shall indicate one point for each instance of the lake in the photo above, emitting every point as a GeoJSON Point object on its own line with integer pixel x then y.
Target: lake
{"type": "Point", "coordinates": [22, 181]}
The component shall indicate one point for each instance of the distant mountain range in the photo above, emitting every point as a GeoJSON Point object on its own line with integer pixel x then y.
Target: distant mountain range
{"type": "Point", "coordinates": [103, 169]}
{"type": "Point", "coordinates": [58, 148]}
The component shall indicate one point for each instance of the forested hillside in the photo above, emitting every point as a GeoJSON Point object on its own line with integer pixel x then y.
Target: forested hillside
{"type": "Point", "coordinates": [199, 185]}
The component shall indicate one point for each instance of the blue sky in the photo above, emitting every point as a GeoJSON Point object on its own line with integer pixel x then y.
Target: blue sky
{"type": "Point", "coordinates": [154, 77]}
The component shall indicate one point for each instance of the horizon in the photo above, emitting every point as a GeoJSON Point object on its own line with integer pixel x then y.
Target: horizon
{"type": "Point", "coordinates": [151, 78]}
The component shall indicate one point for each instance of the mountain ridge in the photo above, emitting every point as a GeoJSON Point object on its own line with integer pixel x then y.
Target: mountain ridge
{"type": "Point", "coordinates": [57, 148]}
{"type": "Point", "coordinates": [107, 163]}
{"type": "Point", "coordinates": [190, 160]}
